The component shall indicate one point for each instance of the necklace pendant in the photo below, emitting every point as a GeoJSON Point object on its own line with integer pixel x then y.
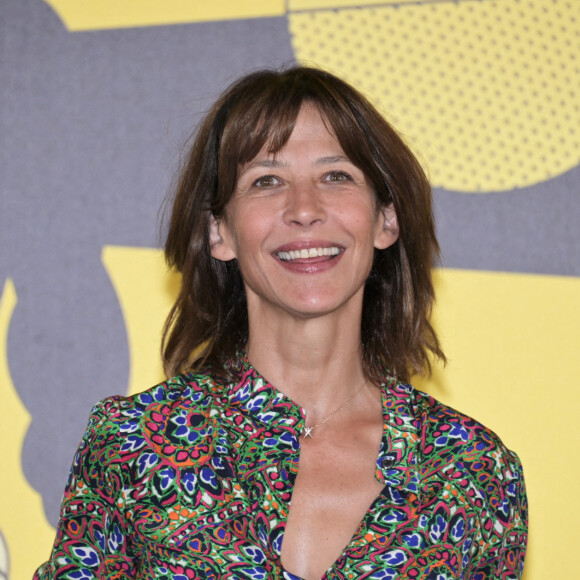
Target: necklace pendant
{"type": "Point", "coordinates": [307, 432]}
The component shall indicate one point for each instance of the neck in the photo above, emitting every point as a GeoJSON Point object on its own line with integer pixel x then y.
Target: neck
{"type": "Point", "coordinates": [316, 362]}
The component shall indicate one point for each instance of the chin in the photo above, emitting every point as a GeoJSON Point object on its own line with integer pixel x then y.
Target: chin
{"type": "Point", "coordinates": [317, 308]}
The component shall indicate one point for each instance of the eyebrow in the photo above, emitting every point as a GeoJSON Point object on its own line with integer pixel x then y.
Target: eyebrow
{"type": "Point", "coordinates": [273, 163]}
{"type": "Point", "coordinates": [268, 163]}
{"type": "Point", "coordinates": [332, 159]}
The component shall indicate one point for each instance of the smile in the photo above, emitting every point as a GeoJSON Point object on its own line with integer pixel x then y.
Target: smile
{"type": "Point", "coordinates": [306, 253]}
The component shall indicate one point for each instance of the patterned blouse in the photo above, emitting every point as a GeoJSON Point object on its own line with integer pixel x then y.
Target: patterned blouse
{"type": "Point", "coordinates": [193, 479]}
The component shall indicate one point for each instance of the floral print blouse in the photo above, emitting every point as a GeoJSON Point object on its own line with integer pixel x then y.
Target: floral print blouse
{"type": "Point", "coordinates": [193, 479]}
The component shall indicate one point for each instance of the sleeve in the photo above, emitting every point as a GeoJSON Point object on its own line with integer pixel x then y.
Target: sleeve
{"type": "Point", "coordinates": [91, 539]}
{"type": "Point", "coordinates": [503, 554]}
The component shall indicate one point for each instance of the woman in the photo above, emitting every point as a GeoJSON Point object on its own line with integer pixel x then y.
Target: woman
{"type": "Point", "coordinates": [290, 447]}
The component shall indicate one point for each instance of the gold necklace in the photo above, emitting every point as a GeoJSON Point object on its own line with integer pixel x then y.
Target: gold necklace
{"type": "Point", "coordinates": [307, 431]}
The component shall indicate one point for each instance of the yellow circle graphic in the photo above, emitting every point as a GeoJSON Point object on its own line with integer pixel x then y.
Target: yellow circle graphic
{"type": "Point", "coordinates": [487, 92]}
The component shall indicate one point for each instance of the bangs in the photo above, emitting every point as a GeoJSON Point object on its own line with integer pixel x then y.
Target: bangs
{"type": "Point", "coordinates": [262, 121]}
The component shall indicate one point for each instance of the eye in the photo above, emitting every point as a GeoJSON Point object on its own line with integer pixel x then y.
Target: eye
{"type": "Point", "coordinates": [337, 177]}
{"type": "Point", "coordinates": [266, 181]}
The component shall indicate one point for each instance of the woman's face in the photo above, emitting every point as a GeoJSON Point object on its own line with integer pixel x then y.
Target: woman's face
{"type": "Point", "coordinates": [303, 224]}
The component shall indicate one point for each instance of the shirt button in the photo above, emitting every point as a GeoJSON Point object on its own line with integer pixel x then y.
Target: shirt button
{"type": "Point", "coordinates": [387, 462]}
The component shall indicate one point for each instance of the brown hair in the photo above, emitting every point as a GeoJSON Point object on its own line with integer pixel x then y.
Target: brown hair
{"type": "Point", "coordinates": [208, 325]}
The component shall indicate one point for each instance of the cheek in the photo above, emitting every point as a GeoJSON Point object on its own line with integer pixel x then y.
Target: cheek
{"type": "Point", "coordinates": [250, 231]}
{"type": "Point", "coordinates": [365, 219]}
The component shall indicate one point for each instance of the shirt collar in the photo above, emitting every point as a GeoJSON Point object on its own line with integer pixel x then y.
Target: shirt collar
{"type": "Point", "coordinates": [255, 395]}
{"type": "Point", "coordinates": [397, 462]}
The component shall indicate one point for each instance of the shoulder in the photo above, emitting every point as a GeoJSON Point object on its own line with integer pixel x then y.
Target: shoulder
{"type": "Point", "coordinates": [463, 458]}
{"type": "Point", "coordinates": [446, 431]}
{"type": "Point", "coordinates": [188, 389]}
{"type": "Point", "coordinates": [178, 409]}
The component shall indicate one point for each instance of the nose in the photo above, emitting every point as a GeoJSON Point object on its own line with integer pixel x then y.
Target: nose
{"type": "Point", "coordinates": [304, 206]}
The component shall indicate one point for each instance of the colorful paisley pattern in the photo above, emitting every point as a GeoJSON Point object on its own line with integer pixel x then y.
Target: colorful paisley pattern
{"type": "Point", "coordinates": [192, 479]}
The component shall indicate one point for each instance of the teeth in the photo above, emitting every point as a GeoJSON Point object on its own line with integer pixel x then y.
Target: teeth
{"type": "Point", "coordinates": [308, 253]}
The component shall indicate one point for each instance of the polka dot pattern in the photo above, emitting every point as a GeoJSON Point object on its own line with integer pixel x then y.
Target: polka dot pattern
{"type": "Point", "coordinates": [486, 92]}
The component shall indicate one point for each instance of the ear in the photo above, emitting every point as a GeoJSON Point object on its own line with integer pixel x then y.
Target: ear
{"type": "Point", "coordinates": [388, 232]}
{"type": "Point", "coordinates": [219, 240]}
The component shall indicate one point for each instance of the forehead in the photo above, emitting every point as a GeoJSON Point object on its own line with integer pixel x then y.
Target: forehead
{"type": "Point", "coordinates": [311, 133]}
{"type": "Point", "coordinates": [311, 124]}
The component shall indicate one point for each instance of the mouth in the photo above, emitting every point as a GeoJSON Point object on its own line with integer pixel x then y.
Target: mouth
{"type": "Point", "coordinates": [308, 253]}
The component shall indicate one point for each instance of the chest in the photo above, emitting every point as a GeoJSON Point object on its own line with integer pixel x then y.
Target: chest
{"type": "Point", "coordinates": [334, 489]}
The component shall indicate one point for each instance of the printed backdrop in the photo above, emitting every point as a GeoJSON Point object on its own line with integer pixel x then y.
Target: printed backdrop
{"type": "Point", "coordinates": [97, 100]}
